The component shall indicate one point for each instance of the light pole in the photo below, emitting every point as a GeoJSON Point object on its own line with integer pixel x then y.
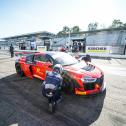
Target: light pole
{"type": "Point", "coordinates": [70, 36]}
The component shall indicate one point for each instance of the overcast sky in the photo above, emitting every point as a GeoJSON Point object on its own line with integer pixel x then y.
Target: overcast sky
{"type": "Point", "coordinates": [27, 16]}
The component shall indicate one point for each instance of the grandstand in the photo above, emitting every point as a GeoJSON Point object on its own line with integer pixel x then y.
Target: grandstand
{"type": "Point", "coordinates": [27, 40]}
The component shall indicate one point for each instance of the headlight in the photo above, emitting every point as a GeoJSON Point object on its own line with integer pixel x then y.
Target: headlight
{"type": "Point", "coordinates": [88, 79]}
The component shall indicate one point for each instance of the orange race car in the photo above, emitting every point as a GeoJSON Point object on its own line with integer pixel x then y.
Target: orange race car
{"type": "Point", "coordinates": [78, 77]}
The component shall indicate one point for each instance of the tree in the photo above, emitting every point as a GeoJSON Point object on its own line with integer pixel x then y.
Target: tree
{"type": "Point", "coordinates": [75, 29]}
{"type": "Point", "coordinates": [92, 26]}
{"type": "Point", "coordinates": [66, 29]}
{"type": "Point", "coordinates": [124, 24]}
{"type": "Point", "coordinates": [117, 23]}
{"type": "Point", "coordinates": [60, 33]}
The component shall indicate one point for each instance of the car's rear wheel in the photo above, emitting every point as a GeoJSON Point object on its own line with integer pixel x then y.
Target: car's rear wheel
{"type": "Point", "coordinates": [19, 70]}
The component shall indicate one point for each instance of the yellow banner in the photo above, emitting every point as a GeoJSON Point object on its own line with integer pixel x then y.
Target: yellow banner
{"type": "Point", "coordinates": [97, 49]}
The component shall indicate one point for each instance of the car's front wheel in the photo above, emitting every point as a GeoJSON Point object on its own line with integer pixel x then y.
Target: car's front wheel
{"type": "Point", "coordinates": [71, 88]}
{"type": "Point", "coordinates": [68, 86]}
{"type": "Point", "coordinates": [19, 70]}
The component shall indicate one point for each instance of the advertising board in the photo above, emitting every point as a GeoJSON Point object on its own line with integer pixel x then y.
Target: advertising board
{"type": "Point", "coordinates": [98, 49]}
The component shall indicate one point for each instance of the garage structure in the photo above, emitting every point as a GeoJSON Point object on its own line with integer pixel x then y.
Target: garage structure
{"type": "Point", "coordinates": [112, 40]}
{"type": "Point", "coordinates": [67, 41]}
{"type": "Point", "coordinates": [30, 41]}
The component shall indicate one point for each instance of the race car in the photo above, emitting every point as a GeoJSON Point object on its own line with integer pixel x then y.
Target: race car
{"type": "Point", "coordinates": [79, 77]}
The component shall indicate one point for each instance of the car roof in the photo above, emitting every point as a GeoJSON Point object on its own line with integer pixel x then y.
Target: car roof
{"type": "Point", "coordinates": [51, 53]}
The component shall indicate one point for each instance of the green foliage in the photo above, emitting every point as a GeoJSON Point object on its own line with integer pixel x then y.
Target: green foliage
{"type": "Point", "coordinates": [124, 24]}
{"type": "Point", "coordinates": [60, 33]}
{"type": "Point", "coordinates": [92, 26]}
{"type": "Point", "coordinates": [75, 29]}
{"type": "Point", "coordinates": [117, 24]}
{"type": "Point", "coordinates": [66, 30]}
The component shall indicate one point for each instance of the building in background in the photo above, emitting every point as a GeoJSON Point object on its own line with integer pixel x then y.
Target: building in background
{"type": "Point", "coordinates": [3, 45]}
{"type": "Point", "coordinates": [30, 41]}
{"type": "Point", "coordinates": [111, 40]}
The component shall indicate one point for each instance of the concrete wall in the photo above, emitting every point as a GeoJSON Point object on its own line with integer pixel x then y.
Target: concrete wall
{"type": "Point", "coordinates": [108, 38]}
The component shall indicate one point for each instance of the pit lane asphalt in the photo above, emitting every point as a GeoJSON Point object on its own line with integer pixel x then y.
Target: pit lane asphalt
{"type": "Point", "coordinates": [21, 102]}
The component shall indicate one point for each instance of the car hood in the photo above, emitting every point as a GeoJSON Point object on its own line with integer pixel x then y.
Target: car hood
{"type": "Point", "coordinates": [84, 69]}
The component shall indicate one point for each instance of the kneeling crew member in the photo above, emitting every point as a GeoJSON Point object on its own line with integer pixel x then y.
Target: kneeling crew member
{"type": "Point", "coordinates": [53, 81]}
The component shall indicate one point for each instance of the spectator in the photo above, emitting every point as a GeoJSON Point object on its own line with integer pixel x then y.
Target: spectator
{"type": "Point", "coordinates": [12, 51]}
{"type": "Point", "coordinates": [67, 48]}
{"type": "Point", "coordinates": [75, 47]}
{"type": "Point", "coordinates": [79, 44]}
{"type": "Point", "coordinates": [70, 48]}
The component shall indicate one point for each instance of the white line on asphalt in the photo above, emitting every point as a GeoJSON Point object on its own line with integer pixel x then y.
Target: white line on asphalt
{"type": "Point", "coordinates": [113, 70]}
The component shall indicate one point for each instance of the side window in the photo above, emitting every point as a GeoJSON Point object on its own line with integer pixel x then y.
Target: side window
{"type": "Point", "coordinates": [40, 58]}
{"type": "Point", "coordinates": [49, 59]}
{"type": "Point", "coordinates": [29, 59]}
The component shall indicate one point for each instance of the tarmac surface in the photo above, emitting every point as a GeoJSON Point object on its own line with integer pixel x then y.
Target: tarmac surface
{"type": "Point", "coordinates": [21, 103]}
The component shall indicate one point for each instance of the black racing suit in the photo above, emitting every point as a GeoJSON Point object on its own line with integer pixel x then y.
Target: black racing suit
{"type": "Point", "coordinates": [12, 51]}
{"type": "Point", "coordinates": [53, 78]}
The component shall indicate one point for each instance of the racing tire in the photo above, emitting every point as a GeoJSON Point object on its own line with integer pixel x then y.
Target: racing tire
{"type": "Point", "coordinates": [68, 87]}
{"type": "Point", "coordinates": [71, 88]}
{"type": "Point", "coordinates": [19, 70]}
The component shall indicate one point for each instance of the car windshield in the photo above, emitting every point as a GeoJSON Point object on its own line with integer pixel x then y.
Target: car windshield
{"type": "Point", "coordinates": [65, 59]}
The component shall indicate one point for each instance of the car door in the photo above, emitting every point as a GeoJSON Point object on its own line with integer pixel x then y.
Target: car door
{"type": "Point", "coordinates": [26, 66]}
{"type": "Point", "coordinates": [41, 66]}
{"type": "Point", "coordinates": [49, 60]}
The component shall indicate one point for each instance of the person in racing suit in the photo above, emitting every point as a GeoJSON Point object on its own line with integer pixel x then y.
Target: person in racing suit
{"type": "Point", "coordinates": [87, 58]}
{"type": "Point", "coordinates": [12, 51]}
{"type": "Point", "coordinates": [53, 80]}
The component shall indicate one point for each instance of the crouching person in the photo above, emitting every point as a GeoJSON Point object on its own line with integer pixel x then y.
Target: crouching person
{"type": "Point", "coordinates": [51, 87]}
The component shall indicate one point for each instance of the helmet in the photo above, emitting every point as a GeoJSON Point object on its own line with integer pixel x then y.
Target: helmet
{"type": "Point", "coordinates": [87, 58]}
{"type": "Point", "coordinates": [58, 68]}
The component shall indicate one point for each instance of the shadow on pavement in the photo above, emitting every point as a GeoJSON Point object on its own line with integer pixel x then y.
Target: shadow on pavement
{"type": "Point", "coordinates": [21, 103]}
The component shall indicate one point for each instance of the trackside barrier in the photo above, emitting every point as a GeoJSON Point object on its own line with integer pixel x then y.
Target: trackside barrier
{"type": "Point", "coordinates": [99, 56]}
{"type": "Point", "coordinates": [98, 49]}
